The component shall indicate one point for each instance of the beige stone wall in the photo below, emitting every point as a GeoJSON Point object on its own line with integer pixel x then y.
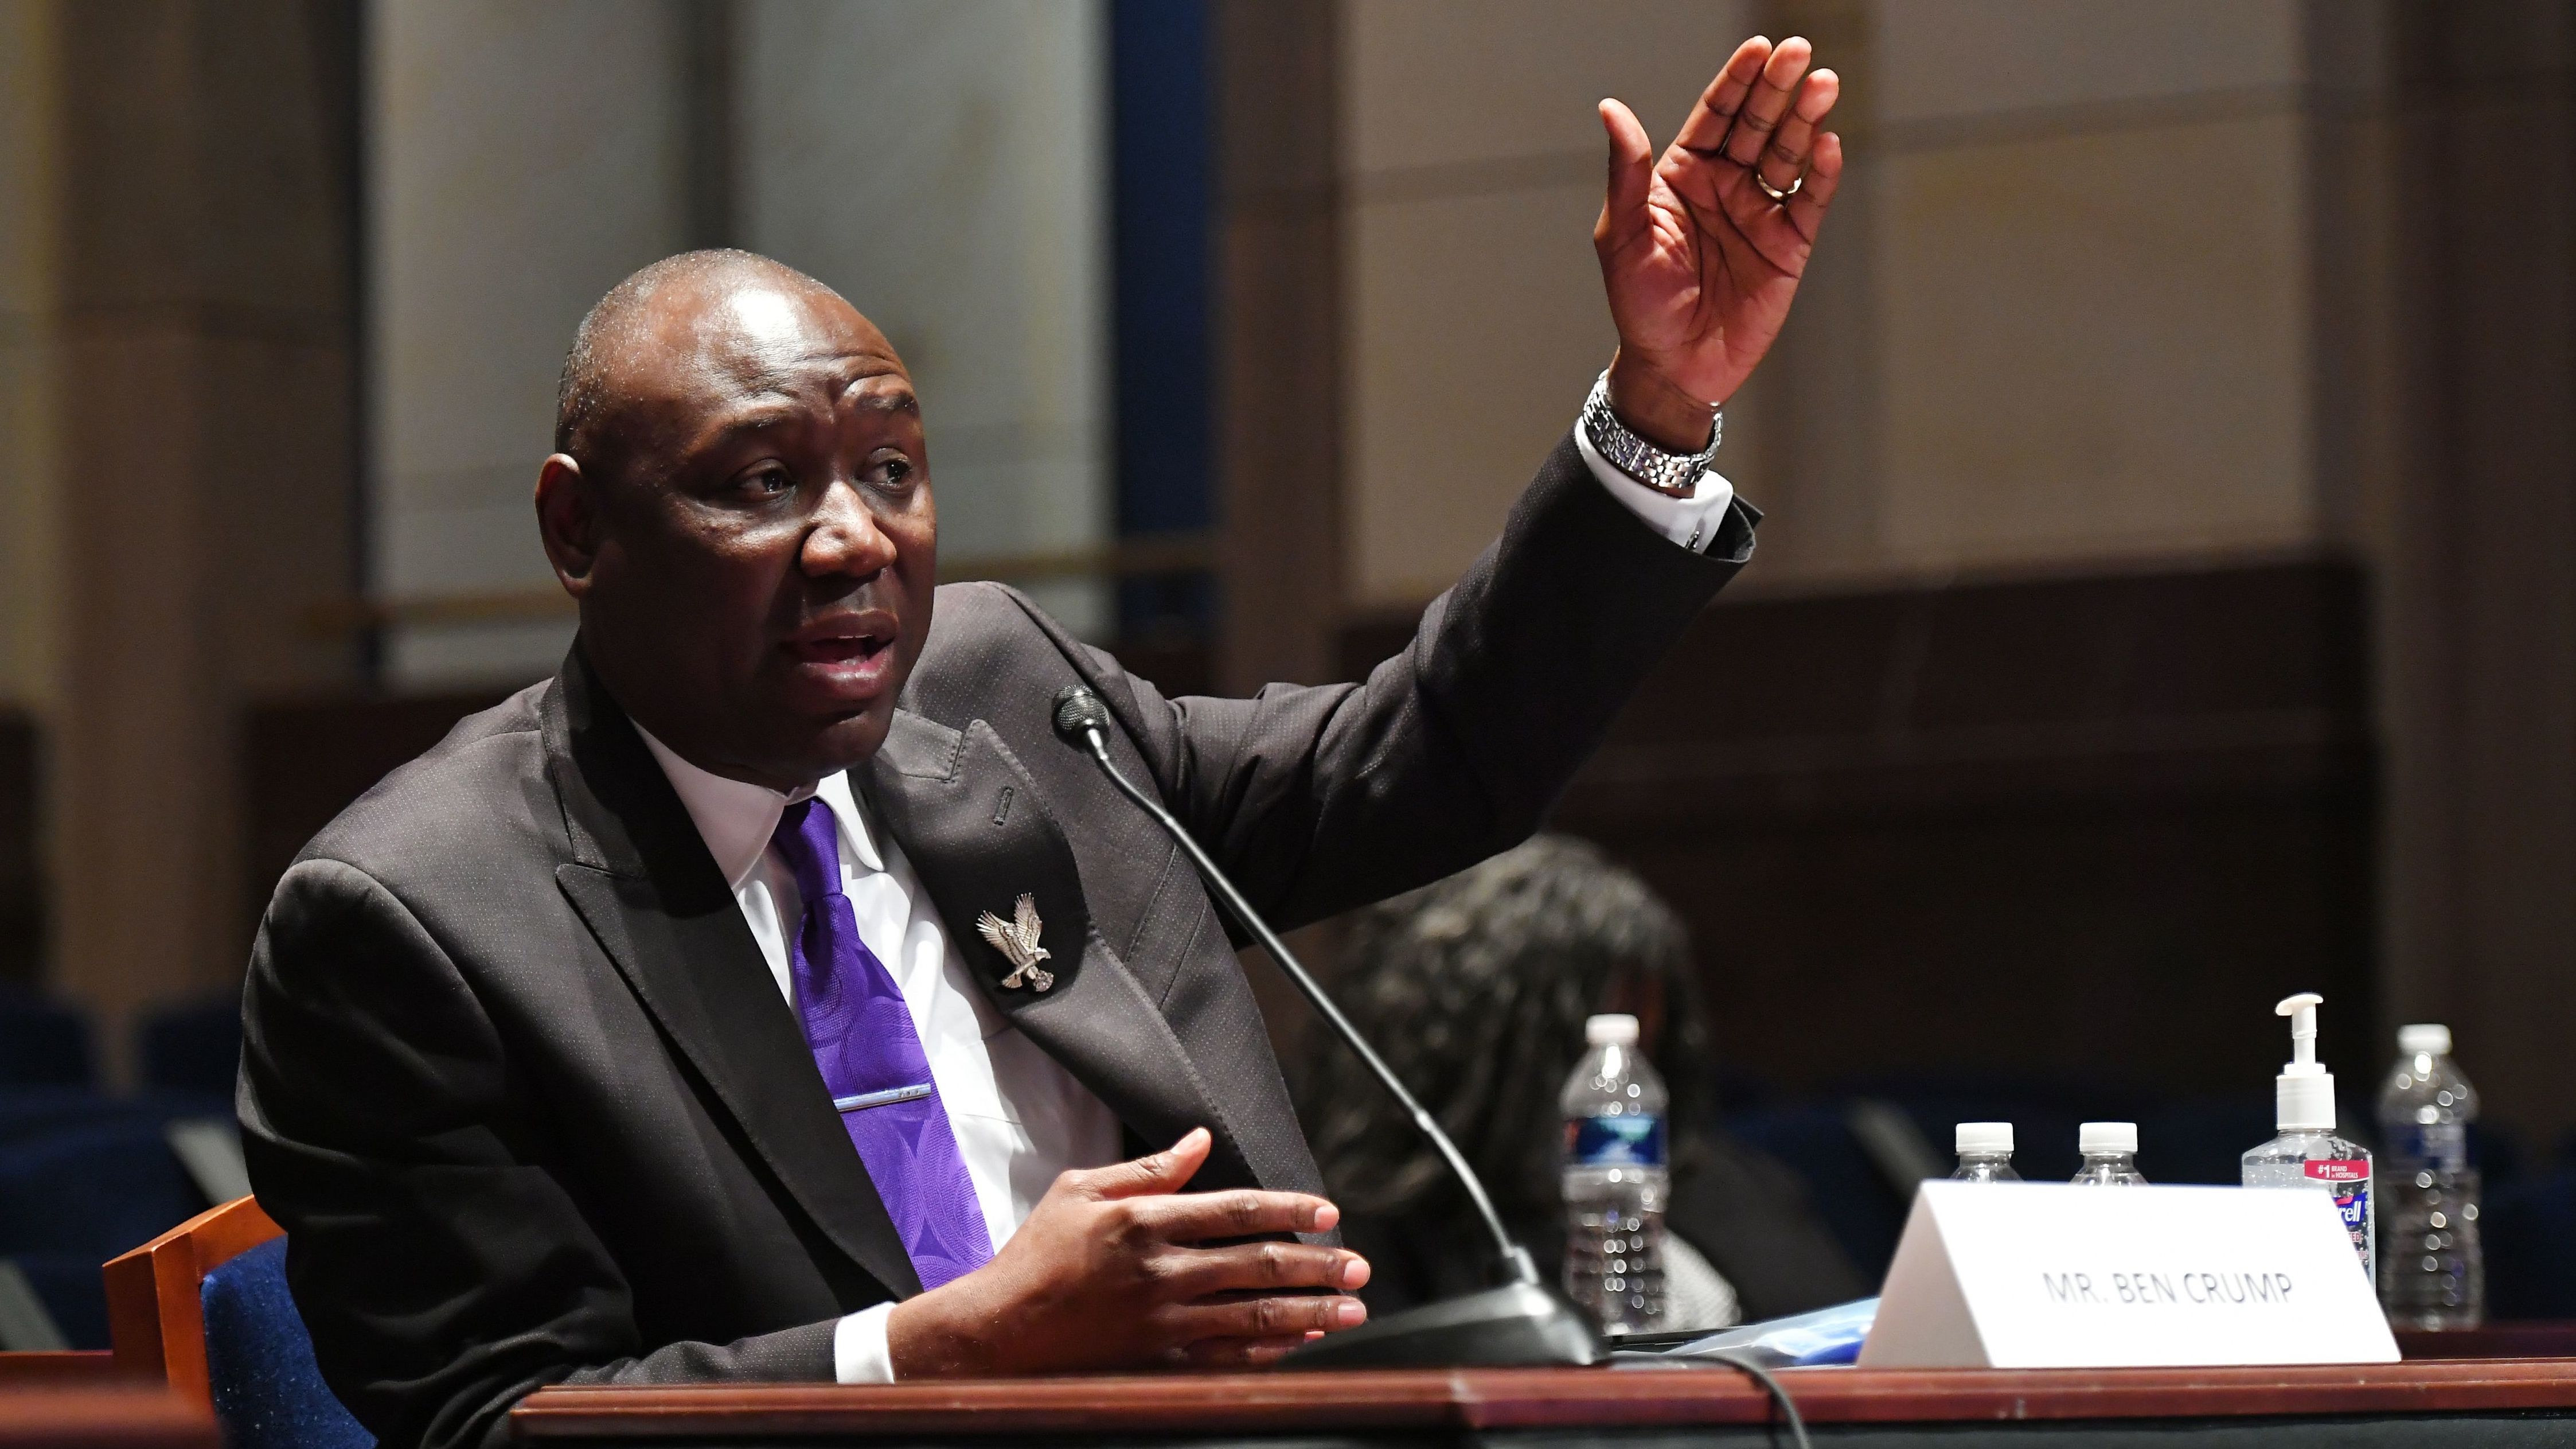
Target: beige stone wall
{"type": "Point", "coordinates": [946, 168]}
{"type": "Point", "coordinates": [200, 486]}
{"type": "Point", "coordinates": [2091, 271]}
{"type": "Point", "coordinates": [523, 159]}
{"type": "Point", "coordinates": [27, 615]}
{"type": "Point", "coordinates": [1472, 166]}
{"type": "Point", "coordinates": [2064, 314]}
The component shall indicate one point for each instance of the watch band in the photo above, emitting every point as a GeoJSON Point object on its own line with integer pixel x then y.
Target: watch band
{"type": "Point", "coordinates": [1675, 475]}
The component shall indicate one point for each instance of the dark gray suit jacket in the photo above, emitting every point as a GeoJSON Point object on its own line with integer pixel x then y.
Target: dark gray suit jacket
{"type": "Point", "coordinates": [522, 1091]}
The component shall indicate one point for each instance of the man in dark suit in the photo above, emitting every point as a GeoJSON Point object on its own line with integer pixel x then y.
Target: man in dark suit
{"type": "Point", "coordinates": [770, 994]}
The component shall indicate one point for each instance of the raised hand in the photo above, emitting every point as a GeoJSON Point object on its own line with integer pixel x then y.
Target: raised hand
{"type": "Point", "coordinates": [1701, 250]}
{"type": "Point", "coordinates": [1108, 1272]}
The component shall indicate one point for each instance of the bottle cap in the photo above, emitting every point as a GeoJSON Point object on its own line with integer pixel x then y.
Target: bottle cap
{"type": "Point", "coordinates": [1985, 1137]}
{"type": "Point", "coordinates": [2095, 1138]}
{"type": "Point", "coordinates": [2424, 1037]}
{"type": "Point", "coordinates": [2303, 1095]}
{"type": "Point", "coordinates": [1610, 1031]}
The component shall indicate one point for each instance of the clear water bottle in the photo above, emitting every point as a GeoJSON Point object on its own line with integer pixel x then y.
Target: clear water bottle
{"type": "Point", "coordinates": [1985, 1152]}
{"type": "Point", "coordinates": [2307, 1154]}
{"type": "Point", "coordinates": [2110, 1155]}
{"type": "Point", "coordinates": [2434, 1273]}
{"type": "Point", "coordinates": [1615, 1181]}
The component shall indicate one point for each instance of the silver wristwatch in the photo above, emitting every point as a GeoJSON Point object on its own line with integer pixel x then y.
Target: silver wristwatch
{"type": "Point", "coordinates": [1673, 474]}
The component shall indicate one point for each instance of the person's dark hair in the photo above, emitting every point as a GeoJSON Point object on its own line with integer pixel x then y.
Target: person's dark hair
{"type": "Point", "coordinates": [1475, 989]}
{"type": "Point", "coordinates": [607, 335]}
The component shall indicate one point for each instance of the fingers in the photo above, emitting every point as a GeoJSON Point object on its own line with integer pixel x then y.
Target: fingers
{"type": "Point", "coordinates": [1709, 120]}
{"type": "Point", "coordinates": [1166, 1171]}
{"type": "Point", "coordinates": [1271, 1266]}
{"type": "Point", "coordinates": [1786, 156]}
{"type": "Point", "coordinates": [1768, 101]}
{"type": "Point", "coordinates": [1237, 1352]}
{"type": "Point", "coordinates": [1242, 1213]}
{"type": "Point", "coordinates": [1632, 173]}
{"type": "Point", "coordinates": [1824, 173]}
{"type": "Point", "coordinates": [1266, 1320]}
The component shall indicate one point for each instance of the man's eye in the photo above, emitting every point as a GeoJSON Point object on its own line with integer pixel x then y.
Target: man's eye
{"type": "Point", "coordinates": [769, 483]}
{"type": "Point", "coordinates": [893, 472]}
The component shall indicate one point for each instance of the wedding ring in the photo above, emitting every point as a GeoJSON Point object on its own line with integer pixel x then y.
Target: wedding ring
{"type": "Point", "coordinates": [1775, 193]}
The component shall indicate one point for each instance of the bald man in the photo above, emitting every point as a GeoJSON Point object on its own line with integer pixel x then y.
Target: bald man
{"type": "Point", "coordinates": [771, 995]}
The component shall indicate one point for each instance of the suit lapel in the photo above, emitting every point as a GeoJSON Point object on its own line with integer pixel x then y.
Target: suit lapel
{"type": "Point", "coordinates": [968, 817]}
{"type": "Point", "coordinates": [644, 883]}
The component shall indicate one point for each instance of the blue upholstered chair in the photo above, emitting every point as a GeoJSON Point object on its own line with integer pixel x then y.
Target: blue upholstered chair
{"type": "Point", "coordinates": [2530, 1229]}
{"type": "Point", "coordinates": [1851, 1195]}
{"type": "Point", "coordinates": [204, 1307]}
{"type": "Point", "coordinates": [194, 1047]}
{"type": "Point", "coordinates": [91, 1188]}
{"type": "Point", "coordinates": [42, 1042]}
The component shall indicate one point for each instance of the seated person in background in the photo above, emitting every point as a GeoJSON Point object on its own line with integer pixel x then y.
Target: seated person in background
{"type": "Point", "coordinates": [1476, 990]}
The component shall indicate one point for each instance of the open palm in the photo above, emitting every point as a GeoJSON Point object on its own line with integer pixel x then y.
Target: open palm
{"type": "Point", "coordinates": [1700, 252]}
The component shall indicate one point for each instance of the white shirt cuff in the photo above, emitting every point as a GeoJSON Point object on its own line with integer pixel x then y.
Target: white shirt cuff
{"type": "Point", "coordinates": [859, 1352]}
{"type": "Point", "coordinates": [1691, 522]}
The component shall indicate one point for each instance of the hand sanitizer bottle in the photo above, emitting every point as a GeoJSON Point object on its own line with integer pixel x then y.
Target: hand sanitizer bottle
{"type": "Point", "coordinates": [2307, 1153]}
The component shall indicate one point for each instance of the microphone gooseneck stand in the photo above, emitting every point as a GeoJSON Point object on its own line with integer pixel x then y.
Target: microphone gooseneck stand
{"type": "Point", "coordinates": [1520, 1323]}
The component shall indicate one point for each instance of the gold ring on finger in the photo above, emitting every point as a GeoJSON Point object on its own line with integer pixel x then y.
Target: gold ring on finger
{"type": "Point", "coordinates": [1774, 192]}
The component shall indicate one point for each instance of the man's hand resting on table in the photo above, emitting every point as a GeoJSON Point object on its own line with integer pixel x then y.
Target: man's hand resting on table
{"type": "Point", "coordinates": [1106, 1273]}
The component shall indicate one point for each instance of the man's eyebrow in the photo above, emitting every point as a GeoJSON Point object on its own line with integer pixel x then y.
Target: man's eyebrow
{"type": "Point", "coordinates": [899, 397]}
{"type": "Point", "coordinates": [754, 418]}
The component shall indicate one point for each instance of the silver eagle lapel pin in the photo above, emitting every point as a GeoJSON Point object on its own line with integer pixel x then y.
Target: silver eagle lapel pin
{"type": "Point", "coordinates": [1017, 939]}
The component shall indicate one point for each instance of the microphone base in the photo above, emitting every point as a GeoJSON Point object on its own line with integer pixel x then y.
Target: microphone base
{"type": "Point", "coordinates": [1520, 1326]}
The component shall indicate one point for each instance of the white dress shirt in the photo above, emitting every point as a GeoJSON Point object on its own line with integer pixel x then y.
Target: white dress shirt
{"type": "Point", "coordinates": [1691, 522]}
{"type": "Point", "coordinates": [1019, 1118]}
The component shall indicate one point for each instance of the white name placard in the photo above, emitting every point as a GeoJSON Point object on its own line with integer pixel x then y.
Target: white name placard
{"type": "Point", "coordinates": [2048, 1275]}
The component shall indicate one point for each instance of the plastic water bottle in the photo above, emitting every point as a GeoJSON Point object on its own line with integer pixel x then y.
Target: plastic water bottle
{"type": "Point", "coordinates": [2307, 1153]}
{"type": "Point", "coordinates": [2435, 1274]}
{"type": "Point", "coordinates": [1615, 1181]}
{"type": "Point", "coordinates": [2110, 1155]}
{"type": "Point", "coordinates": [1985, 1152]}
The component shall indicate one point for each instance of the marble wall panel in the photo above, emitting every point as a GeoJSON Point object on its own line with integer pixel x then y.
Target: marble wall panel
{"type": "Point", "coordinates": [524, 158]}
{"type": "Point", "coordinates": [1478, 327]}
{"type": "Point", "coordinates": [1958, 58]}
{"type": "Point", "coordinates": [1471, 162]}
{"type": "Point", "coordinates": [2086, 352]}
{"type": "Point", "coordinates": [946, 168]}
{"type": "Point", "coordinates": [27, 286]}
{"type": "Point", "coordinates": [1439, 83]}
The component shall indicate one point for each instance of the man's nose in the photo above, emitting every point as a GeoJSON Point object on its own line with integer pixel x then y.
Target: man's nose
{"type": "Point", "coordinates": [845, 538]}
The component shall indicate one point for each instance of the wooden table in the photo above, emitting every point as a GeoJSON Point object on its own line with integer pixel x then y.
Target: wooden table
{"type": "Point", "coordinates": [101, 1414]}
{"type": "Point", "coordinates": [2454, 1401]}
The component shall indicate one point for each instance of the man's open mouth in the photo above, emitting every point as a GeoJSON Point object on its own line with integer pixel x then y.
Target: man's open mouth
{"type": "Point", "coordinates": [838, 648]}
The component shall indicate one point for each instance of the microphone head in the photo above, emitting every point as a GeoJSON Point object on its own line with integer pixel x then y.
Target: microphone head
{"type": "Point", "coordinates": [1078, 712]}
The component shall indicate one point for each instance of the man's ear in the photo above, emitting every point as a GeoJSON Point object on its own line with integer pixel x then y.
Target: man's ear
{"type": "Point", "coordinates": [568, 521]}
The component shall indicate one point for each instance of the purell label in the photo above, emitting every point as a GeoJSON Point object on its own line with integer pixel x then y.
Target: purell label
{"type": "Point", "coordinates": [2350, 1179]}
{"type": "Point", "coordinates": [1622, 1141]}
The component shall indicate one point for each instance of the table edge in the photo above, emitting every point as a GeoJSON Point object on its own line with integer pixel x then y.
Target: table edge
{"type": "Point", "coordinates": [1535, 1398]}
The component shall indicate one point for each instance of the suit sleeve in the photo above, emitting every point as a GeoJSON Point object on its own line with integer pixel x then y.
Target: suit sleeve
{"type": "Point", "coordinates": [1318, 799]}
{"type": "Point", "coordinates": [442, 1269]}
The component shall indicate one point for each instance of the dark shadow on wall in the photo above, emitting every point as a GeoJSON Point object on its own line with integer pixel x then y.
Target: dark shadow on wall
{"type": "Point", "coordinates": [2088, 826]}
{"type": "Point", "coordinates": [22, 923]}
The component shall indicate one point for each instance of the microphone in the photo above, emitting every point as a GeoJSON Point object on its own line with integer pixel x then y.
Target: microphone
{"type": "Point", "coordinates": [1518, 1324]}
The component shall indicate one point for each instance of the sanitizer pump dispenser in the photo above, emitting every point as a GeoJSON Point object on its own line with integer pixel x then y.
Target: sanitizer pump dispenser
{"type": "Point", "coordinates": [2307, 1153]}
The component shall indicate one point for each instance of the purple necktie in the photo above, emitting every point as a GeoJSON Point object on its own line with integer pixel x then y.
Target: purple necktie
{"type": "Point", "coordinates": [862, 1037]}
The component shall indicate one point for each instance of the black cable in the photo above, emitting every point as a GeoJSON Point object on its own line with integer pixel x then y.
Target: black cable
{"type": "Point", "coordinates": [1764, 1377]}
